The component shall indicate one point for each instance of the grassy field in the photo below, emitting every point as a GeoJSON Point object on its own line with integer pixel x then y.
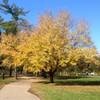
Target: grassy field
{"type": "Point", "coordinates": [6, 81]}
{"type": "Point", "coordinates": [70, 89]}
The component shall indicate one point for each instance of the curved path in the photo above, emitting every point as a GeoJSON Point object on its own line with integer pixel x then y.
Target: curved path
{"type": "Point", "coordinates": [17, 91]}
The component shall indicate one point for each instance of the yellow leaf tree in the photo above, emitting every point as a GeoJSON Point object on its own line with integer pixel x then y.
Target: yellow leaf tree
{"type": "Point", "coordinates": [8, 47]}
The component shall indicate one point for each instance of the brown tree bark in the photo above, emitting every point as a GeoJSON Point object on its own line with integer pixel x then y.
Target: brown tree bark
{"type": "Point", "coordinates": [51, 76]}
{"type": "Point", "coordinates": [10, 72]}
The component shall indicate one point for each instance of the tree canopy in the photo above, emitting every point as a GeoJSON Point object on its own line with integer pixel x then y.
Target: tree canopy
{"type": "Point", "coordinates": [14, 25]}
{"type": "Point", "coordinates": [54, 44]}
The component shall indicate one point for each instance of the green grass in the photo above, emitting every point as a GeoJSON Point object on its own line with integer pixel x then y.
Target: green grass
{"type": "Point", "coordinates": [6, 81]}
{"type": "Point", "coordinates": [71, 89]}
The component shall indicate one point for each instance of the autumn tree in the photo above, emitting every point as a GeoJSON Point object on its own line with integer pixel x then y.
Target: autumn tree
{"type": "Point", "coordinates": [11, 48]}
{"type": "Point", "coordinates": [53, 42]}
{"type": "Point", "coordinates": [81, 48]}
{"type": "Point", "coordinates": [8, 48]}
{"type": "Point", "coordinates": [82, 59]}
{"type": "Point", "coordinates": [47, 47]}
{"type": "Point", "coordinates": [2, 68]}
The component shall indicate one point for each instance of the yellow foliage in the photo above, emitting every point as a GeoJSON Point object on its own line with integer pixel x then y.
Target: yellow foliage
{"type": "Point", "coordinates": [48, 47]}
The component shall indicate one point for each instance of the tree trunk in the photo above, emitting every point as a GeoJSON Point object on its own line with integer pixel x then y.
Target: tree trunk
{"type": "Point", "coordinates": [16, 74]}
{"type": "Point", "coordinates": [51, 76]}
{"type": "Point", "coordinates": [3, 76]}
{"type": "Point", "coordinates": [21, 70]}
{"type": "Point", "coordinates": [10, 72]}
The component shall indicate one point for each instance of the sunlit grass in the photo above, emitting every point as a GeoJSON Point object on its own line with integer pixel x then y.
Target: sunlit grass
{"type": "Point", "coordinates": [48, 91]}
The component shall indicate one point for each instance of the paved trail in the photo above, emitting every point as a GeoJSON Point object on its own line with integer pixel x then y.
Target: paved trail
{"type": "Point", "coordinates": [17, 91]}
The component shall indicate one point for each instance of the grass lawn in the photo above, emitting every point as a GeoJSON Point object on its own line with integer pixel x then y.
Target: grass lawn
{"type": "Point", "coordinates": [6, 81]}
{"type": "Point", "coordinates": [69, 89]}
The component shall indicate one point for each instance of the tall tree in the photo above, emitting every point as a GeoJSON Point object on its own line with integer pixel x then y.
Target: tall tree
{"type": "Point", "coordinates": [8, 47]}
{"type": "Point", "coordinates": [52, 46]}
{"type": "Point", "coordinates": [1, 21]}
{"type": "Point", "coordinates": [52, 43]}
{"type": "Point", "coordinates": [16, 13]}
